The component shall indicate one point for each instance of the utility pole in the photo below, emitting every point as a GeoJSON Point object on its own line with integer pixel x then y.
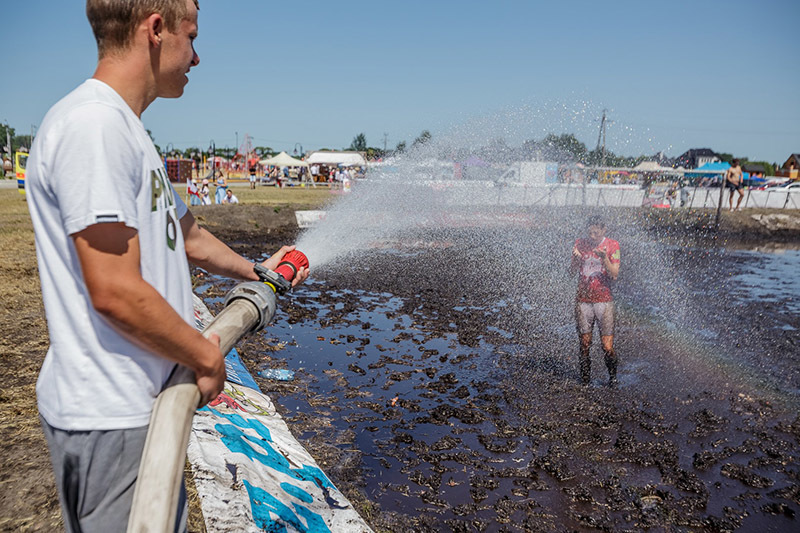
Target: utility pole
{"type": "Point", "coordinates": [602, 136]}
{"type": "Point", "coordinates": [385, 137]}
{"type": "Point", "coordinates": [8, 141]}
{"type": "Point", "coordinates": [212, 149]}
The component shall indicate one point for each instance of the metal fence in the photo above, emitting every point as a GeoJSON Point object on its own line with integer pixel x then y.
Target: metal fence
{"type": "Point", "coordinates": [520, 194]}
{"type": "Point", "coordinates": [511, 193]}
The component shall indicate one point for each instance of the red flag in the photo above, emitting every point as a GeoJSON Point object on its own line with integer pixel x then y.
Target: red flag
{"type": "Point", "coordinates": [191, 188]}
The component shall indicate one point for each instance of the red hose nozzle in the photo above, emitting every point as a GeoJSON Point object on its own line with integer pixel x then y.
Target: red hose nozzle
{"type": "Point", "coordinates": [291, 263]}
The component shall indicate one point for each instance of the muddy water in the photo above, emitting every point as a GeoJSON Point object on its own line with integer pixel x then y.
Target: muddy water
{"type": "Point", "coordinates": [438, 388]}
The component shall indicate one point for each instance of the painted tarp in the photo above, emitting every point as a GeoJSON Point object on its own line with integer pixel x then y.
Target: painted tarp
{"type": "Point", "coordinates": [249, 470]}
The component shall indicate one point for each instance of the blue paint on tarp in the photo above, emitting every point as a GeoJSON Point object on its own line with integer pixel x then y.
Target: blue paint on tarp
{"type": "Point", "coordinates": [297, 492]}
{"type": "Point", "coordinates": [239, 420]}
{"type": "Point", "coordinates": [237, 372]}
{"type": "Point", "coordinates": [237, 440]}
{"type": "Point", "coordinates": [264, 505]}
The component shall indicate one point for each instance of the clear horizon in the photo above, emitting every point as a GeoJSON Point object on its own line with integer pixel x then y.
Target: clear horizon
{"type": "Point", "coordinates": [673, 76]}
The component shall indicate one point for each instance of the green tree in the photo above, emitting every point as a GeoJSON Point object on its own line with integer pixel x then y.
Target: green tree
{"type": "Point", "coordinates": [727, 158]}
{"type": "Point", "coordinates": [21, 141]}
{"type": "Point", "coordinates": [423, 138]}
{"type": "Point", "coordinates": [359, 143]}
{"type": "Point", "coordinates": [769, 168]}
{"type": "Point", "coordinates": [569, 143]}
{"type": "Point", "coordinates": [193, 153]}
{"type": "Point", "coordinates": [264, 151]}
{"type": "Point", "coordinates": [401, 147]}
{"type": "Point", "coordinates": [5, 133]}
{"type": "Point", "coordinates": [375, 153]}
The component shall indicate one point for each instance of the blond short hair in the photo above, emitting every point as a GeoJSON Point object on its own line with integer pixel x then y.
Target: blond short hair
{"type": "Point", "coordinates": [114, 21]}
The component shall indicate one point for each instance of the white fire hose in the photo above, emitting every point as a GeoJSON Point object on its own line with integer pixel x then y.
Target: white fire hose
{"type": "Point", "coordinates": [248, 308]}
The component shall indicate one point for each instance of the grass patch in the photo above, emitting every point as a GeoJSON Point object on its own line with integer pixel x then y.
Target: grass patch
{"type": "Point", "coordinates": [296, 197]}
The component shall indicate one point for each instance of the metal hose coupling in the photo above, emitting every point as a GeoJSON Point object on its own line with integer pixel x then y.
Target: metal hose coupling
{"type": "Point", "coordinates": [261, 295]}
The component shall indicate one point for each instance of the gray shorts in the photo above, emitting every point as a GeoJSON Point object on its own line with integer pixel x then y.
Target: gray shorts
{"type": "Point", "coordinates": [587, 313]}
{"type": "Point", "coordinates": [95, 476]}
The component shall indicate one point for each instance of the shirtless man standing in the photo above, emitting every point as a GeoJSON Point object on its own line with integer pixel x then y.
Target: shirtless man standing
{"type": "Point", "coordinates": [735, 182]}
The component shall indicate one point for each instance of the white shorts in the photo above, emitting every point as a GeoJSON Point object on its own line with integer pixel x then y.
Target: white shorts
{"type": "Point", "coordinates": [587, 313]}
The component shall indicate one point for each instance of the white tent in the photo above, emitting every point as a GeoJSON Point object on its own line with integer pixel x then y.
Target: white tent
{"type": "Point", "coordinates": [651, 166]}
{"type": "Point", "coordinates": [647, 166]}
{"type": "Point", "coordinates": [284, 160]}
{"type": "Point", "coordinates": [347, 159]}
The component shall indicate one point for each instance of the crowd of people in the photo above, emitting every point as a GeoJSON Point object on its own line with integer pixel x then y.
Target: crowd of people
{"type": "Point", "coordinates": [200, 190]}
{"type": "Point", "coordinates": [201, 194]}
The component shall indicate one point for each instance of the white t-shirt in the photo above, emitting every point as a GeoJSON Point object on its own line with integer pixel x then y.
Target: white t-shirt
{"type": "Point", "coordinates": [93, 162]}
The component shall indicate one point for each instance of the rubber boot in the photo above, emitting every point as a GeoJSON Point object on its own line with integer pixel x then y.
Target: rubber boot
{"type": "Point", "coordinates": [585, 365]}
{"type": "Point", "coordinates": [611, 365]}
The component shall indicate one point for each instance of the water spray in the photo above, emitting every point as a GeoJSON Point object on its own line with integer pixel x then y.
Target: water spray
{"type": "Point", "coordinates": [249, 307]}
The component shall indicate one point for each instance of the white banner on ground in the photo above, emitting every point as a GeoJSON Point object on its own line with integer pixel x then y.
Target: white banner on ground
{"type": "Point", "coordinates": [306, 219]}
{"type": "Point", "coordinates": [252, 474]}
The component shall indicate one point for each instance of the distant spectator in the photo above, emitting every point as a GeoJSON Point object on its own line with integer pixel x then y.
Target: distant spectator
{"type": "Point", "coordinates": [684, 192]}
{"type": "Point", "coordinates": [252, 177]}
{"type": "Point", "coordinates": [194, 194]}
{"type": "Point", "coordinates": [734, 181]}
{"type": "Point", "coordinates": [230, 198]}
{"type": "Point", "coordinates": [205, 193]}
{"type": "Point", "coordinates": [222, 186]}
{"type": "Point", "coordinates": [672, 193]}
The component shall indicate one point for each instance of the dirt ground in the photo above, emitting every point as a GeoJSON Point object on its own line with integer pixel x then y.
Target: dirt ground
{"type": "Point", "coordinates": [28, 500]}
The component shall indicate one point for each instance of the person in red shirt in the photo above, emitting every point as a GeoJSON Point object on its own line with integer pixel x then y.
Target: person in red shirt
{"type": "Point", "coordinates": [595, 258]}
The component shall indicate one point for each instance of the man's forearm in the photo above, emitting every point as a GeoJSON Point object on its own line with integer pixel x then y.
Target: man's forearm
{"type": "Point", "coordinates": [611, 268]}
{"type": "Point", "coordinates": [213, 255]}
{"type": "Point", "coordinates": [208, 252]}
{"type": "Point", "coordinates": [216, 257]}
{"type": "Point", "coordinates": [143, 316]}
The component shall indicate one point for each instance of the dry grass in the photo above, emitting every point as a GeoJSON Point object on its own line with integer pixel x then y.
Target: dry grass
{"type": "Point", "coordinates": [297, 197]}
{"type": "Point", "coordinates": [28, 500]}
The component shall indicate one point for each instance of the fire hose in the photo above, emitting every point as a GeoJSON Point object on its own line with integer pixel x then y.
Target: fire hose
{"type": "Point", "coordinates": [249, 307]}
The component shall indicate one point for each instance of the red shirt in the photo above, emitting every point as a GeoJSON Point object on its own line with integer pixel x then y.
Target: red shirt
{"type": "Point", "coordinates": [593, 279]}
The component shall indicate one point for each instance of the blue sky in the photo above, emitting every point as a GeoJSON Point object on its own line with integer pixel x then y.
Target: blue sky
{"type": "Point", "coordinates": [673, 75]}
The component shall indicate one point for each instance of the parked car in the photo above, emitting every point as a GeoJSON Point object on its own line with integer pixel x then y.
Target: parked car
{"type": "Point", "coordinates": [792, 186]}
{"type": "Point", "coordinates": [772, 185]}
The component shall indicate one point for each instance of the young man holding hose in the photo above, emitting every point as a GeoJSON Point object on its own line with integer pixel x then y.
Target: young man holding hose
{"type": "Point", "coordinates": [114, 243]}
